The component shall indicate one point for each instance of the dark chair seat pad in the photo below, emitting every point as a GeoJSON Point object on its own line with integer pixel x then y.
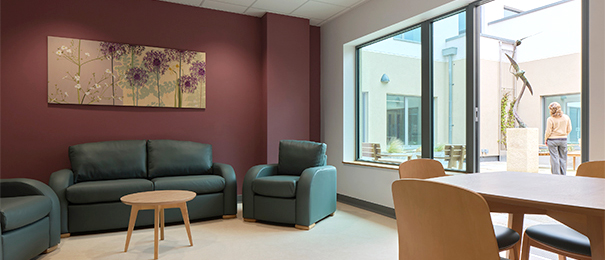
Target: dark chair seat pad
{"type": "Point", "coordinates": [16, 212]}
{"type": "Point", "coordinates": [561, 237]}
{"type": "Point", "coordinates": [279, 186]}
{"type": "Point", "coordinates": [200, 184]}
{"type": "Point", "coordinates": [105, 191]}
{"type": "Point", "coordinates": [506, 237]}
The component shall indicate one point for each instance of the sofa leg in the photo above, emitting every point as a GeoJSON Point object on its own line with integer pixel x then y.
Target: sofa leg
{"type": "Point", "coordinates": [305, 227]}
{"type": "Point", "coordinates": [332, 215]}
{"type": "Point", "coordinates": [65, 235]}
{"type": "Point", "coordinates": [249, 220]}
{"type": "Point", "coordinates": [50, 249]}
{"type": "Point", "coordinates": [229, 216]}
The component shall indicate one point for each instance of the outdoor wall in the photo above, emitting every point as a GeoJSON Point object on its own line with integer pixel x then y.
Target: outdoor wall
{"type": "Point", "coordinates": [36, 136]}
{"type": "Point", "coordinates": [378, 18]}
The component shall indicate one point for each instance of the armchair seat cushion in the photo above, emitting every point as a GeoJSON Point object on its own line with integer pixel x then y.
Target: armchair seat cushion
{"type": "Point", "coordinates": [279, 186]}
{"type": "Point", "coordinates": [200, 184]}
{"type": "Point", "coordinates": [105, 191]}
{"type": "Point", "coordinates": [21, 211]}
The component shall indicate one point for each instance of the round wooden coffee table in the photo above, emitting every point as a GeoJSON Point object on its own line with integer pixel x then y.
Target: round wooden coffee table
{"type": "Point", "coordinates": [158, 201]}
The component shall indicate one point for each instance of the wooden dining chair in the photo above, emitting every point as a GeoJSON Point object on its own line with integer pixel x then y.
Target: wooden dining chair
{"type": "Point", "coordinates": [429, 168]}
{"type": "Point", "coordinates": [561, 239]}
{"type": "Point", "coordinates": [440, 221]}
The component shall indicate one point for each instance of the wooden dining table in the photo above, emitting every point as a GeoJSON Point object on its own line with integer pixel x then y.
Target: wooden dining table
{"type": "Point", "coordinates": [578, 202]}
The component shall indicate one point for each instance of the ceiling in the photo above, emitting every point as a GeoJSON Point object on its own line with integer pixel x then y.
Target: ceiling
{"type": "Point", "coordinates": [317, 11]}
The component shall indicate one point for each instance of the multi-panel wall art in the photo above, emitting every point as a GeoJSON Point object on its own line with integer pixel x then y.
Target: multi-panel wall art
{"type": "Point", "coordinates": [106, 73]}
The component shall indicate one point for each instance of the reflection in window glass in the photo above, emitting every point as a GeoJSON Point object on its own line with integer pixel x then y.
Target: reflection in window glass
{"type": "Point", "coordinates": [389, 115]}
{"type": "Point", "coordinates": [449, 68]}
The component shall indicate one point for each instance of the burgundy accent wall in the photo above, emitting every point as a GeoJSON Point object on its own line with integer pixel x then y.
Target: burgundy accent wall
{"type": "Point", "coordinates": [315, 87]}
{"type": "Point", "coordinates": [36, 135]}
{"type": "Point", "coordinates": [287, 83]}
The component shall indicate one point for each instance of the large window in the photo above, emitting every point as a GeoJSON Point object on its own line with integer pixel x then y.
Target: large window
{"type": "Point", "coordinates": [389, 117]}
{"type": "Point", "coordinates": [392, 93]}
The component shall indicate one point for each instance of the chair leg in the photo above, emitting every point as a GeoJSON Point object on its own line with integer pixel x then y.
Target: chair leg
{"type": "Point", "coordinates": [562, 257]}
{"type": "Point", "coordinates": [525, 248]}
{"type": "Point", "coordinates": [50, 249]}
{"type": "Point", "coordinates": [305, 227]}
{"type": "Point", "coordinates": [249, 220]}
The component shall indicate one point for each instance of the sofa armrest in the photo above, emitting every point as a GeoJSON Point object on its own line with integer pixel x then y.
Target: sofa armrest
{"type": "Point", "coordinates": [247, 194]}
{"type": "Point", "coordinates": [24, 187]}
{"type": "Point", "coordinates": [59, 181]}
{"type": "Point", "coordinates": [230, 191]}
{"type": "Point", "coordinates": [315, 194]}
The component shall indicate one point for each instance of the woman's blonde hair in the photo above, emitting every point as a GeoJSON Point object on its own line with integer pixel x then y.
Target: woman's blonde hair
{"type": "Point", "coordinates": [555, 109]}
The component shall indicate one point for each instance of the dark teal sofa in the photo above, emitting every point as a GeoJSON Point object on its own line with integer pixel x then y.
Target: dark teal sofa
{"type": "Point", "coordinates": [101, 173]}
{"type": "Point", "coordinates": [30, 216]}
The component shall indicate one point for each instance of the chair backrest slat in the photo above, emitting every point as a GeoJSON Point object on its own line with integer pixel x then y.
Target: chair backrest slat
{"type": "Point", "coordinates": [592, 169]}
{"type": "Point", "coordinates": [421, 169]}
{"type": "Point", "coordinates": [439, 221]}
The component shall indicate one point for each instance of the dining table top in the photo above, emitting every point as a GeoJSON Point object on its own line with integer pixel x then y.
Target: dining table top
{"type": "Point", "coordinates": [583, 195]}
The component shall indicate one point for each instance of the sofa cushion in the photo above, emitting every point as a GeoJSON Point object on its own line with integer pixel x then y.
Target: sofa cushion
{"type": "Point", "coordinates": [280, 186]}
{"type": "Point", "coordinates": [296, 156]}
{"type": "Point", "coordinates": [105, 191]}
{"type": "Point", "coordinates": [200, 184]}
{"type": "Point", "coordinates": [16, 212]}
{"type": "Point", "coordinates": [178, 158]}
{"type": "Point", "coordinates": [108, 160]}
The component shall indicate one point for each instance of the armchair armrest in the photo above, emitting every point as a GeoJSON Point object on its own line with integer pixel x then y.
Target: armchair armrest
{"type": "Point", "coordinates": [230, 191]}
{"type": "Point", "coordinates": [247, 194]}
{"type": "Point", "coordinates": [23, 187]}
{"type": "Point", "coordinates": [315, 194]}
{"type": "Point", "coordinates": [59, 181]}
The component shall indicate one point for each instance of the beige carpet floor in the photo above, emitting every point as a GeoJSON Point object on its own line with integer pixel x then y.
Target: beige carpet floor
{"type": "Point", "coordinates": [352, 233]}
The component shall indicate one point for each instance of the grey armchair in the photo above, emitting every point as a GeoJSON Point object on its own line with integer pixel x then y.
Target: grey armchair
{"type": "Point", "coordinates": [30, 216]}
{"type": "Point", "coordinates": [299, 190]}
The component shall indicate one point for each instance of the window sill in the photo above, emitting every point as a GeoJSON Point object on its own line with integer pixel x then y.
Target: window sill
{"type": "Point", "coordinates": [371, 164]}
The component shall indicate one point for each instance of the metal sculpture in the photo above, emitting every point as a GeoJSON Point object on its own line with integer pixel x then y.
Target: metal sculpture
{"type": "Point", "coordinates": [519, 73]}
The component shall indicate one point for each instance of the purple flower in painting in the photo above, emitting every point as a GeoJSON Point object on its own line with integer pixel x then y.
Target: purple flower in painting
{"type": "Point", "coordinates": [156, 61]}
{"type": "Point", "coordinates": [188, 84]}
{"type": "Point", "coordinates": [136, 49]}
{"type": "Point", "coordinates": [137, 77]}
{"type": "Point", "coordinates": [180, 55]}
{"type": "Point", "coordinates": [198, 70]}
{"type": "Point", "coordinates": [113, 50]}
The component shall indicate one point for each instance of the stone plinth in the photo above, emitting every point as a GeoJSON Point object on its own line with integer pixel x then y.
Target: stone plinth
{"type": "Point", "coordinates": [522, 149]}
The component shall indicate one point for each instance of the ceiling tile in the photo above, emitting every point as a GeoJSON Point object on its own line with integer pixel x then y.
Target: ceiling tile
{"type": "Point", "coordinates": [255, 12]}
{"type": "Point", "coordinates": [224, 6]}
{"type": "Point", "coordinates": [279, 6]}
{"type": "Point", "coordinates": [347, 3]}
{"type": "Point", "coordinates": [318, 10]}
{"type": "Point", "coordinates": [185, 2]}
{"type": "Point", "coordinates": [237, 2]}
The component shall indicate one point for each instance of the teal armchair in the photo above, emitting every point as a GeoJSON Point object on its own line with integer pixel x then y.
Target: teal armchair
{"type": "Point", "coordinates": [299, 190]}
{"type": "Point", "coordinates": [30, 217]}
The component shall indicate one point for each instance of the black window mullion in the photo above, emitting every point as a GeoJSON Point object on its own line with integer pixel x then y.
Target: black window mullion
{"type": "Point", "coordinates": [427, 111]}
{"type": "Point", "coordinates": [472, 89]}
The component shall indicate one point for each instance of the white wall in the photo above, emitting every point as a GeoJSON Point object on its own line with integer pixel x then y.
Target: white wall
{"type": "Point", "coordinates": [380, 17]}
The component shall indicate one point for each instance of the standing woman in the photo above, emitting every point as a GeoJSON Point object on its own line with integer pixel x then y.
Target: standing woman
{"type": "Point", "coordinates": [558, 126]}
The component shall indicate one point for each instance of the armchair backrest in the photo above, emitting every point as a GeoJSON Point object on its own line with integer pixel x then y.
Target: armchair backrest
{"type": "Point", "coordinates": [109, 160]}
{"type": "Point", "coordinates": [296, 156]}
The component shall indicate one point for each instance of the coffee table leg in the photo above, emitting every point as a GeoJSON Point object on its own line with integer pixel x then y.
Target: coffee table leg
{"type": "Point", "coordinates": [156, 220]}
{"type": "Point", "coordinates": [162, 220]}
{"type": "Point", "coordinates": [185, 214]}
{"type": "Point", "coordinates": [134, 210]}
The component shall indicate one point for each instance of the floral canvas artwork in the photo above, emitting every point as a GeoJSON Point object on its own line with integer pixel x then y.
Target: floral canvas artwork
{"type": "Point", "coordinates": [106, 73]}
